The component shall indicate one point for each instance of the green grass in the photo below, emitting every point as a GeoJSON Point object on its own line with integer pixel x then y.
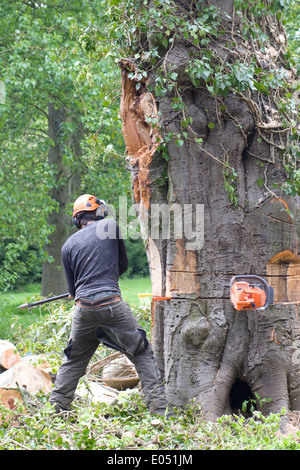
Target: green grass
{"type": "Point", "coordinates": [130, 289]}
{"type": "Point", "coordinates": [9, 301]}
{"type": "Point", "coordinates": [9, 313]}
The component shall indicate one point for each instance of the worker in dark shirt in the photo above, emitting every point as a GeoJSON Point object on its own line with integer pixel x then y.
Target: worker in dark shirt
{"type": "Point", "coordinates": [93, 259]}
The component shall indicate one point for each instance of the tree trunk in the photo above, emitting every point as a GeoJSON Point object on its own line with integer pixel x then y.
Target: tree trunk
{"type": "Point", "coordinates": [204, 348]}
{"type": "Point", "coordinates": [53, 277]}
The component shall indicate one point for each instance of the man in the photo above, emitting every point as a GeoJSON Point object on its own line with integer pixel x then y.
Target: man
{"type": "Point", "coordinates": [93, 259]}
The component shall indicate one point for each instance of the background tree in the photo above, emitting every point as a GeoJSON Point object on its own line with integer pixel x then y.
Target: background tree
{"type": "Point", "coordinates": [51, 145]}
{"type": "Point", "coordinates": [219, 79]}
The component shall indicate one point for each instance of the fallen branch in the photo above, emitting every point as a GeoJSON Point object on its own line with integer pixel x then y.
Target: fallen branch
{"type": "Point", "coordinates": [97, 366]}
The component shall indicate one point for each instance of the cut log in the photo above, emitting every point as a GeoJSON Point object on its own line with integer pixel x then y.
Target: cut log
{"type": "Point", "coordinates": [9, 355]}
{"type": "Point", "coordinates": [120, 374]}
{"type": "Point", "coordinates": [26, 375]}
{"type": "Point", "coordinates": [39, 362]}
{"type": "Point", "coordinates": [8, 398]}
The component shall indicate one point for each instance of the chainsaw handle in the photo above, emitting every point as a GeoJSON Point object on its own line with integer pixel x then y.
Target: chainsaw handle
{"type": "Point", "coordinates": [268, 289]}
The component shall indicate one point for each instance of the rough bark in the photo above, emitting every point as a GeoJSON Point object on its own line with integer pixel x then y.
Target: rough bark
{"type": "Point", "coordinates": [205, 349]}
{"type": "Point", "coordinates": [53, 278]}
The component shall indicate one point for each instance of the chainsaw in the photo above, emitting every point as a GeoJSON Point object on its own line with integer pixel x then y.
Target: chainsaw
{"type": "Point", "coordinates": [250, 292]}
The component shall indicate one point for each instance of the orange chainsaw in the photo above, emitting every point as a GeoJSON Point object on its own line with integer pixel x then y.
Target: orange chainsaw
{"type": "Point", "coordinates": [250, 292]}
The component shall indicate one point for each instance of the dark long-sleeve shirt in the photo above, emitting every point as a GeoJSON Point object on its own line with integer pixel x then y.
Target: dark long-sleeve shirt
{"type": "Point", "coordinates": [94, 258]}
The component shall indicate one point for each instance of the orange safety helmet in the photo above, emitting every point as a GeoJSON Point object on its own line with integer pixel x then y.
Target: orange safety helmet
{"type": "Point", "coordinates": [86, 202]}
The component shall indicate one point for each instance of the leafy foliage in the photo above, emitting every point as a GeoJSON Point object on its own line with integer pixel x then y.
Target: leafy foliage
{"type": "Point", "coordinates": [43, 60]}
{"type": "Point", "coordinates": [128, 426]}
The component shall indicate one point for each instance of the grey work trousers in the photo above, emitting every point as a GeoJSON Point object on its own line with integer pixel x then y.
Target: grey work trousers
{"type": "Point", "coordinates": [116, 327]}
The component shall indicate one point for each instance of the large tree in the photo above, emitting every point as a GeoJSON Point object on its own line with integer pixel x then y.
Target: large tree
{"type": "Point", "coordinates": [210, 120]}
{"type": "Point", "coordinates": [51, 147]}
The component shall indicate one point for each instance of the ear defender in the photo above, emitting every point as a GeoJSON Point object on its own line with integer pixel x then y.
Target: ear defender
{"type": "Point", "coordinates": [101, 211]}
{"type": "Point", "coordinates": [86, 203]}
{"type": "Point", "coordinates": [75, 222]}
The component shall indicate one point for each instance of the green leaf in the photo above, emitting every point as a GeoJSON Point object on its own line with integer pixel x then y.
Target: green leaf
{"type": "Point", "coordinates": [261, 87]}
{"type": "Point", "coordinates": [260, 182]}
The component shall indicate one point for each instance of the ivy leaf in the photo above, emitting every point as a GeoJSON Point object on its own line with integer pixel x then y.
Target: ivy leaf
{"type": "Point", "coordinates": [261, 87]}
{"type": "Point", "coordinates": [260, 182]}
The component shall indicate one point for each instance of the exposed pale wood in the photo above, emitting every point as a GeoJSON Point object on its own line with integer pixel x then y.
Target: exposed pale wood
{"type": "Point", "coordinates": [156, 268]}
{"type": "Point", "coordinates": [293, 282]}
{"type": "Point", "coordinates": [97, 366]}
{"type": "Point", "coordinates": [39, 362]}
{"type": "Point", "coordinates": [9, 355]}
{"type": "Point", "coordinates": [140, 135]}
{"type": "Point", "coordinates": [277, 279]}
{"type": "Point", "coordinates": [283, 273]}
{"type": "Point", "coordinates": [26, 375]}
{"type": "Point", "coordinates": [98, 392]}
{"type": "Point", "coordinates": [8, 398]}
{"type": "Point", "coordinates": [182, 277]}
